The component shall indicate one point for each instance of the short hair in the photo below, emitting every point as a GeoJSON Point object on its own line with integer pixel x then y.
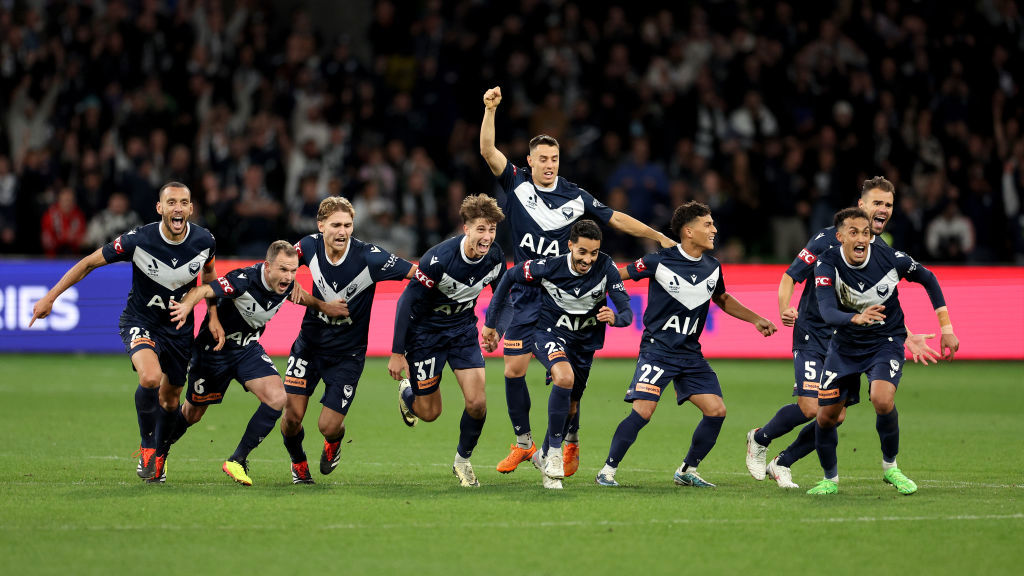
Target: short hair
{"type": "Point", "coordinates": [480, 206]}
{"type": "Point", "coordinates": [880, 182]}
{"type": "Point", "coordinates": [846, 214]}
{"type": "Point", "coordinates": [332, 204]}
{"type": "Point", "coordinates": [687, 213]}
{"type": "Point", "coordinates": [584, 229]}
{"type": "Point", "coordinates": [542, 139]}
{"type": "Point", "coordinates": [173, 184]}
{"type": "Point", "coordinates": [279, 247]}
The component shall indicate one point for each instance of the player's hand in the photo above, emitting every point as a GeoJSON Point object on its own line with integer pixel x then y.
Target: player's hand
{"type": "Point", "coordinates": [490, 338]}
{"type": "Point", "coordinates": [297, 295]}
{"type": "Point", "coordinates": [398, 366]}
{"type": "Point", "coordinates": [606, 315]}
{"type": "Point", "coordinates": [872, 315]}
{"type": "Point", "coordinates": [666, 242]}
{"type": "Point", "coordinates": [492, 98]}
{"type": "Point", "coordinates": [179, 313]}
{"type": "Point", "coordinates": [949, 344]}
{"type": "Point", "coordinates": [765, 327]}
{"type": "Point", "coordinates": [217, 331]}
{"type": "Point", "coordinates": [335, 308]}
{"type": "Point", "coordinates": [918, 347]}
{"type": "Point", "coordinates": [41, 309]}
{"type": "Point", "coordinates": [789, 316]}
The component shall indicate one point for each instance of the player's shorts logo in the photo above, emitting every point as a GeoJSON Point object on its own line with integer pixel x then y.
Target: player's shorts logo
{"type": "Point", "coordinates": [294, 382]}
{"type": "Point", "coordinates": [648, 389]}
{"type": "Point", "coordinates": [267, 359]}
{"type": "Point", "coordinates": [424, 384]}
{"type": "Point", "coordinates": [828, 394]}
{"type": "Point", "coordinates": [514, 344]}
{"type": "Point", "coordinates": [348, 390]}
{"type": "Point", "coordinates": [811, 385]}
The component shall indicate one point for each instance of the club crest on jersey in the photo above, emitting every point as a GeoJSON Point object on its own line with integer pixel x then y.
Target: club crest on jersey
{"type": "Point", "coordinates": [882, 290]}
{"type": "Point", "coordinates": [711, 285]}
{"type": "Point", "coordinates": [193, 268]}
{"type": "Point", "coordinates": [351, 290]}
{"type": "Point", "coordinates": [568, 213]}
{"type": "Point", "coordinates": [595, 294]}
{"type": "Point", "coordinates": [267, 359]}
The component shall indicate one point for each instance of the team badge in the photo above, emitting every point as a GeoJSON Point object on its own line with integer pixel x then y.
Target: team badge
{"type": "Point", "coordinates": [193, 268]}
{"type": "Point", "coordinates": [348, 390]}
{"type": "Point", "coordinates": [568, 213]}
{"type": "Point", "coordinates": [711, 285]}
{"type": "Point", "coordinates": [882, 290]}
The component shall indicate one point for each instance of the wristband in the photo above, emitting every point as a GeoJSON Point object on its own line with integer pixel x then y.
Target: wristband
{"type": "Point", "coordinates": [947, 329]}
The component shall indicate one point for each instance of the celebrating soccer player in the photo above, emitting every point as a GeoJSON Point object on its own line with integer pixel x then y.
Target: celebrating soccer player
{"type": "Point", "coordinates": [570, 328]}
{"type": "Point", "coordinates": [541, 207]}
{"type": "Point", "coordinates": [856, 285]}
{"type": "Point", "coordinates": [436, 324]}
{"type": "Point", "coordinates": [684, 280]}
{"type": "Point", "coordinates": [166, 258]}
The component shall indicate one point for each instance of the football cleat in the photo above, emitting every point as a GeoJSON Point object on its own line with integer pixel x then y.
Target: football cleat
{"type": "Point", "coordinates": [408, 417]}
{"type": "Point", "coordinates": [691, 478]}
{"type": "Point", "coordinates": [238, 471]}
{"type": "Point", "coordinates": [300, 473]}
{"type": "Point", "coordinates": [146, 462]}
{"type": "Point", "coordinates": [570, 457]}
{"type": "Point", "coordinates": [553, 465]}
{"type": "Point", "coordinates": [159, 470]}
{"type": "Point", "coordinates": [902, 483]}
{"type": "Point", "coordinates": [516, 457]}
{"type": "Point", "coordinates": [781, 474]}
{"type": "Point", "coordinates": [551, 483]}
{"type": "Point", "coordinates": [464, 472]}
{"type": "Point", "coordinates": [606, 480]}
{"type": "Point", "coordinates": [824, 487]}
{"type": "Point", "coordinates": [330, 457]}
{"type": "Point", "coordinates": [756, 456]}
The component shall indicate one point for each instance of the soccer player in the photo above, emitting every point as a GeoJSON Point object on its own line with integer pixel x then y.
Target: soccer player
{"type": "Point", "coordinates": [167, 257]}
{"type": "Point", "coordinates": [541, 207]}
{"type": "Point", "coordinates": [570, 327]}
{"type": "Point", "coordinates": [684, 280]}
{"type": "Point", "coordinates": [331, 345]}
{"type": "Point", "coordinates": [247, 298]}
{"type": "Point", "coordinates": [435, 324]}
{"type": "Point", "coordinates": [810, 341]}
{"type": "Point", "coordinates": [856, 286]}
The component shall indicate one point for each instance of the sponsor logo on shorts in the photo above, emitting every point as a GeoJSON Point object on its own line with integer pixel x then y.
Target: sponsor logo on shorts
{"type": "Point", "coordinates": [828, 394]}
{"type": "Point", "coordinates": [810, 385]}
{"type": "Point", "coordinates": [822, 281]}
{"type": "Point", "coordinates": [424, 279]}
{"type": "Point", "coordinates": [423, 384]}
{"type": "Point", "coordinates": [142, 341]}
{"type": "Point", "coordinates": [556, 354]}
{"type": "Point", "coordinates": [648, 389]}
{"type": "Point", "coordinates": [514, 344]}
{"type": "Point", "coordinates": [294, 382]}
{"type": "Point", "coordinates": [207, 397]}
{"type": "Point", "coordinates": [806, 256]}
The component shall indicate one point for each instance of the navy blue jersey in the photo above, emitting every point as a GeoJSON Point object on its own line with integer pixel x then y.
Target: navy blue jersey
{"type": "Point", "coordinates": [570, 301]}
{"type": "Point", "coordinates": [844, 291]}
{"type": "Point", "coordinates": [442, 295]}
{"type": "Point", "coordinates": [541, 219]}
{"type": "Point", "coordinates": [161, 270]}
{"type": "Point", "coordinates": [678, 298]}
{"type": "Point", "coordinates": [244, 306]}
{"type": "Point", "coordinates": [811, 332]}
{"type": "Point", "coordinates": [353, 278]}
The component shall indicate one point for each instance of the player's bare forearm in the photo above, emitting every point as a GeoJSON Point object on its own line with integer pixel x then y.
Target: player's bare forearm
{"type": "Point", "coordinates": [412, 272]}
{"type": "Point", "coordinates": [949, 344]}
{"type": "Point", "coordinates": [625, 223]}
{"type": "Point", "coordinates": [624, 272]}
{"type": "Point", "coordinates": [736, 309]}
{"type": "Point", "coordinates": [496, 161]}
{"type": "Point", "coordinates": [81, 269]}
{"type": "Point", "coordinates": [787, 313]}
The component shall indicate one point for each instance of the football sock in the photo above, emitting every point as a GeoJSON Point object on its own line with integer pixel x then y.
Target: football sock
{"type": "Point", "coordinates": [260, 425]}
{"type": "Point", "coordinates": [469, 433]}
{"type": "Point", "coordinates": [558, 413]}
{"type": "Point", "coordinates": [704, 438]}
{"type": "Point", "coordinates": [180, 425]}
{"type": "Point", "coordinates": [146, 404]}
{"type": "Point", "coordinates": [408, 397]}
{"type": "Point", "coordinates": [888, 426]}
{"type": "Point", "coordinates": [337, 438]}
{"type": "Point", "coordinates": [624, 437]}
{"type": "Point", "coordinates": [572, 428]}
{"type": "Point", "coordinates": [826, 441]}
{"type": "Point", "coordinates": [802, 446]}
{"type": "Point", "coordinates": [517, 396]}
{"type": "Point", "coordinates": [293, 444]}
{"type": "Point", "coordinates": [607, 470]}
{"type": "Point", "coordinates": [787, 418]}
{"type": "Point", "coordinates": [524, 441]}
{"type": "Point", "coordinates": [164, 430]}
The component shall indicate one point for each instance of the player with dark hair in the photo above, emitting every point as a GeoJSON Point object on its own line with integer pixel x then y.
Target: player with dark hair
{"type": "Point", "coordinates": [856, 285]}
{"type": "Point", "coordinates": [541, 207]}
{"type": "Point", "coordinates": [331, 345]}
{"type": "Point", "coordinates": [684, 281]}
{"type": "Point", "coordinates": [436, 325]}
{"type": "Point", "coordinates": [167, 257]}
{"type": "Point", "coordinates": [570, 327]}
{"type": "Point", "coordinates": [811, 335]}
{"type": "Point", "coordinates": [247, 298]}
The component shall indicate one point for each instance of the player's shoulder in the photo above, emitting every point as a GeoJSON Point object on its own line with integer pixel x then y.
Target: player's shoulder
{"type": "Point", "coordinates": [711, 261]}
{"type": "Point", "coordinates": [822, 240]}
{"type": "Point", "coordinates": [830, 256]}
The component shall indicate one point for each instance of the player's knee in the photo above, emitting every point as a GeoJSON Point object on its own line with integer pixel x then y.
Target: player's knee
{"type": "Point", "coordinates": [476, 408]}
{"type": "Point", "coordinates": [645, 410]}
{"type": "Point", "coordinates": [828, 420]}
{"type": "Point", "coordinates": [883, 405]}
{"type": "Point", "coordinates": [562, 380]}
{"type": "Point", "coordinates": [291, 422]}
{"type": "Point", "coordinates": [809, 411]}
{"type": "Point", "coordinates": [428, 414]}
{"type": "Point", "coordinates": [716, 410]}
{"type": "Point", "coordinates": [331, 429]}
{"type": "Point", "coordinates": [276, 399]}
{"type": "Point", "coordinates": [150, 379]}
{"type": "Point", "coordinates": [512, 371]}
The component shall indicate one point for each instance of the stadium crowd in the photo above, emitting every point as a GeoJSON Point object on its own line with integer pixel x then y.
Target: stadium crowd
{"type": "Point", "coordinates": [766, 111]}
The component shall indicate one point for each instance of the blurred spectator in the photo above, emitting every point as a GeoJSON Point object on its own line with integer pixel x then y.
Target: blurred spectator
{"type": "Point", "coordinates": [302, 216]}
{"type": "Point", "coordinates": [110, 223]}
{"type": "Point", "coordinates": [642, 180]}
{"type": "Point", "coordinates": [8, 205]}
{"type": "Point", "coordinates": [63, 226]}
{"type": "Point", "coordinates": [950, 237]}
{"type": "Point", "coordinates": [258, 214]}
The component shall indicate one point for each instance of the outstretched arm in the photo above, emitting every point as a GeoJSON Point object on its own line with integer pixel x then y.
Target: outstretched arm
{"type": "Point", "coordinates": [736, 309]}
{"type": "Point", "coordinates": [626, 223]}
{"type": "Point", "coordinates": [494, 158]}
{"type": "Point", "coordinates": [80, 270]}
{"type": "Point", "coordinates": [181, 310]}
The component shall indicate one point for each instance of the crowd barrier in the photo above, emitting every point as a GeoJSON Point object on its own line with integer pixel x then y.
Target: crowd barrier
{"type": "Point", "coordinates": [986, 306]}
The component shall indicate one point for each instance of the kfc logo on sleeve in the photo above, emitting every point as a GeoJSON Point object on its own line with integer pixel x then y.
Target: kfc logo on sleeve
{"type": "Point", "coordinates": [424, 279]}
{"type": "Point", "coordinates": [822, 281]}
{"type": "Point", "coordinates": [806, 256]}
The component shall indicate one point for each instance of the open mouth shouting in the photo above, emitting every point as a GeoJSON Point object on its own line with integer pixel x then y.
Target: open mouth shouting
{"type": "Point", "coordinates": [878, 221]}
{"type": "Point", "coordinates": [177, 224]}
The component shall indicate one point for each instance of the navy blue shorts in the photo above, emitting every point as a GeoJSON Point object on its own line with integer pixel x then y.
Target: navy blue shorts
{"type": "Point", "coordinates": [432, 350]}
{"type": "Point", "coordinates": [306, 368]}
{"type": "Point", "coordinates": [518, 320]}
{"type": "Point", "coordinates": [210, 373]}
{"type": "Point", "coordinates": [690, 374]}
{"type": "Point", "coordinates": [840, 381]}
{"type": "Point", "coordinates": [172, 350]}
{"type": "Point", "coordinates": [807, 368]}
{"type": "Point", "coordinates": [551, 350]}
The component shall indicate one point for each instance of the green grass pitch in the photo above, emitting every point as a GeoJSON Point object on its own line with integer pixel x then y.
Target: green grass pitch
{"type": "Point", "coordinates": [70, 502]}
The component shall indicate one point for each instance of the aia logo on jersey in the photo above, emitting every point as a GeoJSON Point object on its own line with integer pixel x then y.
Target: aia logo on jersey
{"type": "Point", "coordinates": [118, 247]}
{"type": "Point", "coordinates": [424, 279]}
{"type": "Point", "coordinates": [228, 288]}
{"type": "Point", "coordinates": [526, 271]}
{"type": "Point", "coordinates": [822, 281]}
{"type": "Point", "coordinates": [639, 264]}
{"type": "Point", "coordinates": [806, 256]}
